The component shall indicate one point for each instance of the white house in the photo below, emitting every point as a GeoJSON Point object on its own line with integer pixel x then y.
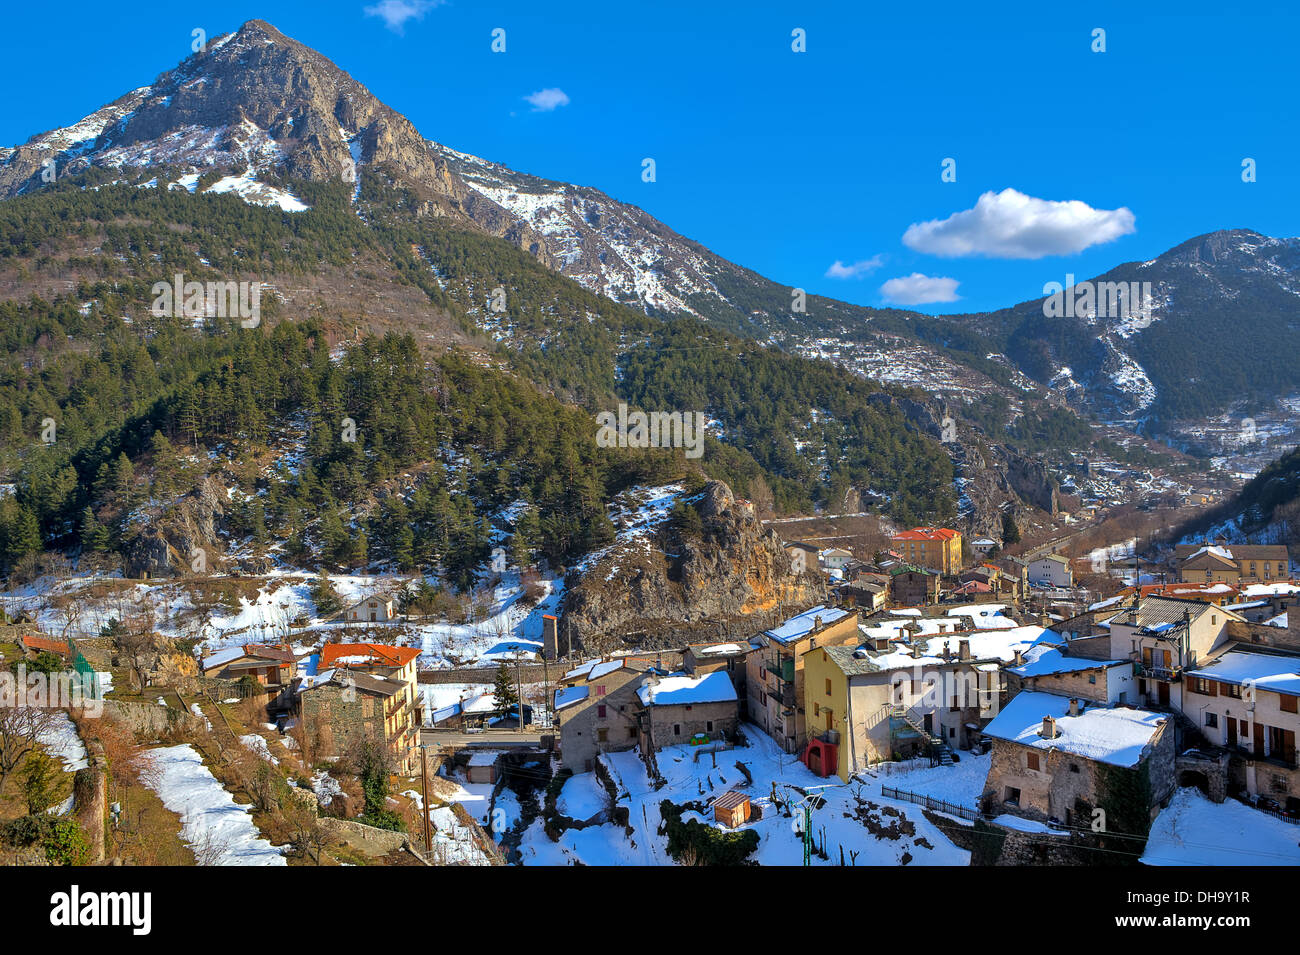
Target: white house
{"type": "Point", "coordinates": [835, 558]}
{"type": "Point", "coordinates": [1052, 569]}
{"type": "Point", "coordinates": [373, 609]}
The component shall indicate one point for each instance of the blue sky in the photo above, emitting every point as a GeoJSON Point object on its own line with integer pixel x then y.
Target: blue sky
{"type": "Point", "coordinates": [790, 162]}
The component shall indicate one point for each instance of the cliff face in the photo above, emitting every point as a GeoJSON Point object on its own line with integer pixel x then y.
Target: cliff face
{"type": "Point", "coordinates": [171, 541]}
{"type": "Point", "coordinates": [696, 581]}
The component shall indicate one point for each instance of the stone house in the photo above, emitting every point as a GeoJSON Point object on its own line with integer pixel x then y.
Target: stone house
{"type": "Point", "coordinates": [774, 671]}
{"type": "Point", "coordinates": [680, 708]}
{"type": "Point", "coordinates": [702, 658]}
{"type": "Point", "coordinates": [1057, 759]}
{"type": "Point", "coordinates": [596, 710]}
{"type": "Point", "coordinates": [1050, 668]}
{"type": "Point", "coordinates": [911, 586]}
{"type": "Point", "coordinates": [344, 706]}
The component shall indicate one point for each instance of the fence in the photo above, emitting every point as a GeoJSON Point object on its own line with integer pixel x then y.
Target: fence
{"type": "Point", "coordinates": [929, 802]}
{"type": "Point", "coordinates": [1277, 814]}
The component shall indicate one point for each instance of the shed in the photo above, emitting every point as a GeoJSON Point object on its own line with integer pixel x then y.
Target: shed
{"type": "Point", "coordinates": [482, 767]}
{"type": "Point", "coordinates": [731, 809]}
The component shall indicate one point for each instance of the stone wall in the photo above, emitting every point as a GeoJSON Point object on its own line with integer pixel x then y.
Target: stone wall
{"type": "Point", "coordinates": [365, 839]}
{"type": "Point", "coordinates": [149, 719]}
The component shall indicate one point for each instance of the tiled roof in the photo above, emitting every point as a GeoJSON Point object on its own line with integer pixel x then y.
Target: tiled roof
{"type": "Point", "coordinates": [375, 653]}
{"type": "Point", "coordinates": [926, 534]}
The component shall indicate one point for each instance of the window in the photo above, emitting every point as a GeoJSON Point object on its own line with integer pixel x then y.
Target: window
{"type": "Point", "coordinates": [1092, 678]}
{"type": "Point", "coordinates": [1012, 796]}
{"type": "Point", "coordinates": [1074, 767]}
{"type": "Point", "coordinates": [1212, 719]}
{"type": "Point", "coordinates": [1032, 761]}
{"type": "Point", "coordinates": [602, 735]}
{"type": "Point", "coordinates": [677, 729]}
{"type": "Point", "coordinates": [708, 726]}
{"type": "Point", "coordinates": [600, 689]}
{"type": "Point", "coordinates": [631, 732]}
{"type": "Point", "coordinates": [828, 686]}
{"type": "Point", "coordinates": [1287, 703]}
{"type": "Point", "coordinates": [600, 711]}
{"type": "Point", "coordinates": [1230, 689]}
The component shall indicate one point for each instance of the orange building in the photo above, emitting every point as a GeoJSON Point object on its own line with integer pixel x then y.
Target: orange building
{"type": "Point", "coordinates": [934, 548]}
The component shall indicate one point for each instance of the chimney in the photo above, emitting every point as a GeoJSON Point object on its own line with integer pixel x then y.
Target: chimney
{"type": "Point", "coordinates": [963, 649]}
{"type": "Point", "coordinates": [1020, 657]}
{"type": "Point", "coordinates": [550, 637]}
{"type": "Point", "coordinates": [947, 650]}
{"type": "Point", "coordinates": [1049, 728]}
{"type": "Point", "coordinates": [1074, 706]}
{"type": "Point", "coordinates": [817, 622]}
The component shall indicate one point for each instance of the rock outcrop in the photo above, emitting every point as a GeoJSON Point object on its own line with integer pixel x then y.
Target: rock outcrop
{"type": "Point", "coordinates": [181, 538]}
{"type": "Point", "coordinates": [701, 580]}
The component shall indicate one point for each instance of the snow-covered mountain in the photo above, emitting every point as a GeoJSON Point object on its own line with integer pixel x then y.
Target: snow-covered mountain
{"type": "Point", "coordinates": [256, 110]}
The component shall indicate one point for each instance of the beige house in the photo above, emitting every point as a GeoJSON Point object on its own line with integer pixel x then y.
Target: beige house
{"type": "Point", "coordinates": [1232, 563]}
{"type": "Point", "coordinates": [376, 608]}
{"type": "Point", "coordinates": [1054, 757]}
{"type": "Point", "coordinates": [874, 705]}
{"type": "Point", "coordinates": [1248, 701]}
{"type": "Point", "coordinates": [774, 671]}
{"type": "Point", "coordinates": [1167, 637]}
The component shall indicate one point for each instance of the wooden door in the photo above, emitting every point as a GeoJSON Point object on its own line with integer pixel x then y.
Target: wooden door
{"type": "Point", "coordinates": [1259, 739]}
{"type": "Point", "coordinates": [1232, 731]}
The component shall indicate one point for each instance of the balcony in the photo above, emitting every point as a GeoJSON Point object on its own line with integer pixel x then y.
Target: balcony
{"type": "Point", "coordinates": [782, 668]}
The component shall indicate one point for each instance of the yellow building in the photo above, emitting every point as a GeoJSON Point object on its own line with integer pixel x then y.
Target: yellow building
{"type": "Point", "coordinates": [934, 548]}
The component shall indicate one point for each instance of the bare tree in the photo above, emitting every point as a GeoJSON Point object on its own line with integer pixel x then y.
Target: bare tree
{"type": "Point", "coordinates": [134, 640]}
{"type": "Point", "coordinates": [21, 729]}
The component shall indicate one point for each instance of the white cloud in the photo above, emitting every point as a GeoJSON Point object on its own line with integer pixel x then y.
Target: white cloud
{"type": "Point", "coordinates": [395, 13]}
{"type": "Point", "coordinates": [855, 271]}
{"type": "Point", "coordinates": [918, 289]}
{"type": "Point", "coordinates": [1012, 225]}
{"type": "Point", "coordinates": [548, 99]}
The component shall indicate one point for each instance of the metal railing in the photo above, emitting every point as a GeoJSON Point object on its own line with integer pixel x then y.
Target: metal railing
{"type": "Point", "coordinates": [929, 802]}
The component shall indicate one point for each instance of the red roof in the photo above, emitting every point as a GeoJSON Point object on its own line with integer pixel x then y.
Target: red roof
{"type": "Point", "coordinates": [926, 534]}
{"type": "Point", "coordinates": [38, 643]}
{"type": "Point", "coordinates": [380, 654]}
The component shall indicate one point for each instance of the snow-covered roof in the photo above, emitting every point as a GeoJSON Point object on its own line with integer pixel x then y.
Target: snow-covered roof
{"type": "Point", "coordinates": [801, 625]}
{"type": "Point", "coordinates": [672, 690]}
{"type": "Point", "coordinates": [604, 669]}
{"type": "Point", "coordinates": [1268, 671]}
{"type": "Point", "coordinates": [720, 649]}
{"type": "Point", "coordinates": [568, 695]}
{"type": "Point", "coordinates": [1044, 660]}
{"type": "Point", "coordinates": [222, 657]}
{"type": "Point", "coordinates": [1118, 736]}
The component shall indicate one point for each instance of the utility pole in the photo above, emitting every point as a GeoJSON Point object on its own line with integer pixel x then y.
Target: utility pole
{"type": "Point", "coordinates": [519, 691]}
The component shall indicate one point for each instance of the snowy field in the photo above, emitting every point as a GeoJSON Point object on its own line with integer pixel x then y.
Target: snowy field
{"type": "Point", "coordinates": [854, 816]}
{"type": "Point", "coordinates": [220, 831]}
{"type": "Point", "coordinates": [1195, 831]}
